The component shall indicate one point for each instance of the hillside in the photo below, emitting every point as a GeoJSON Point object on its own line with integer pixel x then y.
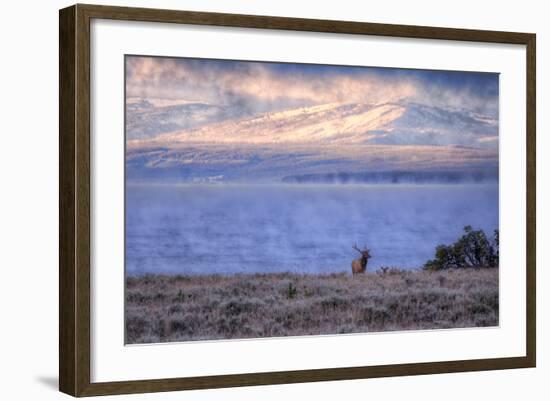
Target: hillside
{"type": "Point", "coordinates": [322, 139]}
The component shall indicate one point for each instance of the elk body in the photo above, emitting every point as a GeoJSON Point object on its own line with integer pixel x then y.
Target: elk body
{"type": "Point", "coordinates": [360, 265]}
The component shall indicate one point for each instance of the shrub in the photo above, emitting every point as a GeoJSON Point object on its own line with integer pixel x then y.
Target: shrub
{"type": "Point", "coordinates": [291, 291]}
{"type": "Point", "coordinates": [473, 249]}
{"type": "Point", "coordinates": [180, 297]}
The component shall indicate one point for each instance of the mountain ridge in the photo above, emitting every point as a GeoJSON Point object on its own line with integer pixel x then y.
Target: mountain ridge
{"type": "Point", "coordinates": [321, 139]}
{"type": "Point", "coordinates": [386, 123]}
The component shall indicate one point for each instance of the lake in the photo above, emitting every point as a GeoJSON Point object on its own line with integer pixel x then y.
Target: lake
{"type": "Point", "coordinates": [226, 229]}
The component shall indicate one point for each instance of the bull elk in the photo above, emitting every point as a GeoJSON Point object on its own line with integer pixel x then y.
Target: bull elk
{"type": "Point", "coordinates": [360, 265]}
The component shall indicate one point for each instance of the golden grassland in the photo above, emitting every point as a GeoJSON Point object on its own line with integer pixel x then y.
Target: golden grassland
{"type": "Point", "coordinates": [162, 308]}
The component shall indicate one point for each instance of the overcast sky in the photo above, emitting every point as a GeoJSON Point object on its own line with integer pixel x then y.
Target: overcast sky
{"type": "Point", "coordinates": [249, 87]}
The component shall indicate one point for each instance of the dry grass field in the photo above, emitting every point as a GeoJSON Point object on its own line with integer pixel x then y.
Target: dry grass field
{"type": "Point", "coordinates": [182, 308]}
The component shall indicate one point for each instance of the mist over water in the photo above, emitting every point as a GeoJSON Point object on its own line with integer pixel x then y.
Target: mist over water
{"type": "Point", "coordinates": [226, 229]}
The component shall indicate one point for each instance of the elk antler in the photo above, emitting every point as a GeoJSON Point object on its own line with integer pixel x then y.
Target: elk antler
{"type": "Point", "coordinates": [357, 249]}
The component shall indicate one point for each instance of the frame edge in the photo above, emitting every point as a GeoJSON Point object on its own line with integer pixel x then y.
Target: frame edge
{"type": "Point", "coordinates": [531, 199]}
{"type": "Point", "coordinates": [67, 268]}
{"type": "Point", "coordinates": [74, 201]}
{"type": "Point", "coordinates": [301, 24]}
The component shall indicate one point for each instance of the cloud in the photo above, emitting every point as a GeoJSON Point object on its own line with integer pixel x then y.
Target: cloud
{"type": "Point", "coordinates": [266, 85]}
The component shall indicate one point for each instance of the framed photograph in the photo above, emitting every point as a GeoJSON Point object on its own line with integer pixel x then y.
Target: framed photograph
{"type": "Point", "coordinates": [250, 200]}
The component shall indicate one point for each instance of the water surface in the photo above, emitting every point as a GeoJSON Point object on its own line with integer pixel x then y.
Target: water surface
{"type": "Point", "coordinates": [200, 229]}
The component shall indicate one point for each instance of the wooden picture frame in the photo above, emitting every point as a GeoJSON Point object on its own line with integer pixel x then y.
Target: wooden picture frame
{"type": "Point", "coordinates": [75, 198]}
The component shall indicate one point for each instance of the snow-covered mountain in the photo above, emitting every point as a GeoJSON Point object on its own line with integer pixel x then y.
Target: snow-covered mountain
{"type": "Point", "coordinates": [146, 118]}
{"type": "Point", "coordinates": [391, 123]}
{"type": "Point", "coordinates": [319, 139]}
